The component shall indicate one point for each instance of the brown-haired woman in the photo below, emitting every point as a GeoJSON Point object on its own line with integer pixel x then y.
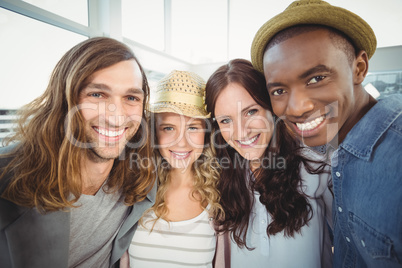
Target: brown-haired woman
{"type": "Point", "coordinates": [274, 192]}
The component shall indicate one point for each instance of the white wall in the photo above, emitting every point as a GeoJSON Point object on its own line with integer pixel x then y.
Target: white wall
{"type": "Point", "coordinates": [386, 59]}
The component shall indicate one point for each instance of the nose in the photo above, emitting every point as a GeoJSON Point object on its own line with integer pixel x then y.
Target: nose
{"type": "Point", "coordinates": [241, 129]}
{"type": "Point", "coordinates": [115, 113]}
{"type": "Point", "coordinates": [182, 139]}
{"type": "Point", "coordinates": [299, 103]}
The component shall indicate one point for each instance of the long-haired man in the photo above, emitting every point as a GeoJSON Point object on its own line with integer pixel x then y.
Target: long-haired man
{"type": "Point", "coordinates": [70, 193]}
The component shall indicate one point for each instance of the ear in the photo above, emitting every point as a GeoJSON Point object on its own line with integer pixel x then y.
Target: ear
{"type": "Point", "coordinates": [360, 67]}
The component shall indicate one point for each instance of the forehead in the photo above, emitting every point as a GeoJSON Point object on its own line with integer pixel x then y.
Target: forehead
{"type": "Point", "coordinates": [176, 119]}
{"type": "Point", "coordinates": [294, 31]}
{"type": "Point", "coordinates": [124, 73]}
{"type": "Point", "coordinates": [232, 98]}
{"type": "Point", "coordinates": [300, 51]}
{"type": "Point", "coordinates": [293, 39]}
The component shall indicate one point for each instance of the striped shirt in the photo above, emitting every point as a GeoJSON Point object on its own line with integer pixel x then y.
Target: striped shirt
{"type": "Point", "coordinates": [189, 243]}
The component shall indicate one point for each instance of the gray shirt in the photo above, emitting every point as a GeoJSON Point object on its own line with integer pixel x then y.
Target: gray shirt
{"type": "Point", "coordinates": [94, 225]}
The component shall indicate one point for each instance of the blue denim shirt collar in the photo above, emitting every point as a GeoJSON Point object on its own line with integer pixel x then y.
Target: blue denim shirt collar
{"type": "Point", "coordinates": [363, 137]}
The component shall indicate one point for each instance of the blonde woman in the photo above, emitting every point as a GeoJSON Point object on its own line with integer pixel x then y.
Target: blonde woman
{"type": "Point", "coordinates": [177, 230]}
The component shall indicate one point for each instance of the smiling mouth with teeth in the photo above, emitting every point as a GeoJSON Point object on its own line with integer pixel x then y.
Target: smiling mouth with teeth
{"type": "Point", "coordinates": [180, 155]}
{"type": "Point", "coordinates": [310, 125]}
{"type": "Point", "coordinates": [248, 142]}
{"type": "Point", "coordinates": [109, 133]}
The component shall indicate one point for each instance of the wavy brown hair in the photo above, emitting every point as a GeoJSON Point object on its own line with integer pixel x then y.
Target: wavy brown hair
{"type": "Point", "coordinates": [45, 163]}
{"type": "Point", "coordinates": [279, 188]}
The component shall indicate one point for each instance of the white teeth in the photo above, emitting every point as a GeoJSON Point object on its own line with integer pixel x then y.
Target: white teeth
{"type": "Point", "coordinates": [248, 142]}
{"type": "Point", "coordinates": [180, 154]}
{"type": "Point", "coordinates": [109, 133]}
{"type": "Point", "coordinates": [310, 125]}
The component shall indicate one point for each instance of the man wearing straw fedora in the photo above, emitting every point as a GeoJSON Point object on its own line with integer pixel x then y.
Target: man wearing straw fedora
{"type": "Point", "coordinates": [315, 57]}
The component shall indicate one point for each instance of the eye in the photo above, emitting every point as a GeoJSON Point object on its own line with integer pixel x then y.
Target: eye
{"type": "Point", "coordinates": [278, 92]}
{"type": "Point", "coordinates": [132, 98]}
{"type": "Point", "coordinates": [193, 128]}
{"type": "Point", "coordinates": [252, 111]}
{"type": "Point", "coordinates": [225, 121]}
{"type": "Point", "coordinates": [168, 128]}
{"type": "Point", "coordinates": [316, 79]}
{"type": "Point", "coordinates": [95, 95]}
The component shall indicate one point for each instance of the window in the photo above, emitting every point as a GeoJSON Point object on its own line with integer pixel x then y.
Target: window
{"type": "Point", "coordinates": [192, 22]}
{"type": "Point", "coordinates": [29, 51]}
{"type": "Point", "coordinates": [382, 84]}
{"type": "Point", "coordinates": [75, 10]}
{"type": "Point", "coordinates": [143, 22]}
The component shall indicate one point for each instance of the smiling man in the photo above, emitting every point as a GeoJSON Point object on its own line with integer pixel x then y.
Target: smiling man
{"type": "Point", "coordinates": [315, 57]}
{"type": "Point", "coordinates": [69, 196]}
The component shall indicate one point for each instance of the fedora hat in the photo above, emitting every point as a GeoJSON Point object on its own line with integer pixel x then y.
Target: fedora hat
{"type": "Point", "coordinates": [180, 92]}
{"type": "Point", "coordinates": [314, 12]}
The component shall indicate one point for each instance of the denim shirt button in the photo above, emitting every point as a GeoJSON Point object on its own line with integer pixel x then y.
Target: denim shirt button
{"type": "Point", "coordinates": [363, 244]}
{"type": "Point", "coordinates": [348, 239]}
{"type": "Point", "coordinates": [339, 209]}
{"type": "Point", "coordinates": [338, 174]}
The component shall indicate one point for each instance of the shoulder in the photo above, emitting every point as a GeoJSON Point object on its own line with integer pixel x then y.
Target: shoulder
{"type": "Point", "coordinates": [374, 128]}
{"type": "Point", "coordinates": [6, 156]}
{"type": "Point", "coordinates": [9, 149]}
{"type": "Point", "coordinates": [386, 113]}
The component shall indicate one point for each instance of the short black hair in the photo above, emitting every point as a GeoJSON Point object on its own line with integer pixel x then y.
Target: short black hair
{"type": "Point", "coordinates": [339, 39]}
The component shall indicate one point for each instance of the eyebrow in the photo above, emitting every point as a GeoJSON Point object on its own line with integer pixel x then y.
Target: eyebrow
{"type": "Point", "coordinates": [99, 86]}
{"type": "Point", "coordinates": [242, 111]}
{"type": "Point", "coordinates": [165, 125]}
{"type": "Point", "coordinates": [316, 69]}
{"type": "Point", "coordinates": [191, 124]}
{"type": "Point", "coordinates": [105, 87]}
{"type": "Point", "coordinates": [270, 85]}
{"type": "Point", "coordinates": [248, 107]}
{"type": "Point", "coordinates": [195, 124]}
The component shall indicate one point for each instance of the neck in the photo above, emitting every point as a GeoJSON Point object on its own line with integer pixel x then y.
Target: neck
{"type": "Point", "coordinates": [182, 176]}
{"type": "Point", "coordinates": [254, 164]}
{"type": "Point", "coordinates": [94, 174]}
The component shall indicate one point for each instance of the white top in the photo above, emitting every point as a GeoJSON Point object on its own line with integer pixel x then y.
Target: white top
{"type": "Point", "coordinates": [310, 248]}
{"type": "Point", "coordinates": [189, 243]}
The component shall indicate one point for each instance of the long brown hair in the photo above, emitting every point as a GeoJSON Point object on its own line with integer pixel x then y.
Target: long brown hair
{"type": "Point", "coordinates": [46, 160]}
{"type": "Point", "coordinates": [279, 188]}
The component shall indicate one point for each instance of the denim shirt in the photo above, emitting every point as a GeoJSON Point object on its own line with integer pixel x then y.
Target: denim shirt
{"type": "Point", "coordinates": [367, 180]}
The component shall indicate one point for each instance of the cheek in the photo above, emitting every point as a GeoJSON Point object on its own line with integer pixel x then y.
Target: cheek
{"type": "Point", "coordinates": [135, 114]}
{"type": "Point", "coordinates": [162, 139]}
{"type": "Point", "coordinates": [278, 107]}
{"type": "Point", "coordinates": [197, 140]}
{"type": "Point", "coordinates": [261, 123]}
{"type": "Point", "coordinates": [89, 113]}
{"type": "Point", "coordinates": [194, 141]}
{"type": "Point", "coordinates": [226, 133]}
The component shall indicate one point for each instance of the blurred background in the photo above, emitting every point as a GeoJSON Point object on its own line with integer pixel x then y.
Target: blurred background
{"type": "Point", "coordinates": [193, 35]}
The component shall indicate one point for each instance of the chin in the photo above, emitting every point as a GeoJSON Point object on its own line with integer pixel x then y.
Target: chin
{"type": "Point", "coordinates": [316, 142]}
{"type": "Point", "coordinates": [252, 156]}
{"type": "Point", "coordinates": [109, 153]}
